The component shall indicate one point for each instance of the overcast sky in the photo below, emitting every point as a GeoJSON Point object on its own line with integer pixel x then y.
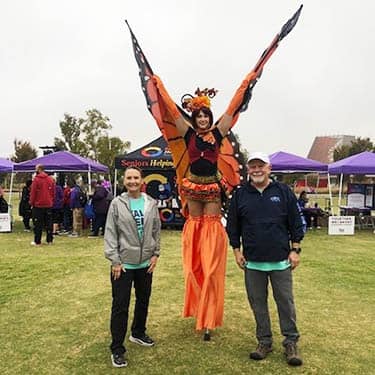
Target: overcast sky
{"type": "Point", "coordinates": [69, 56]}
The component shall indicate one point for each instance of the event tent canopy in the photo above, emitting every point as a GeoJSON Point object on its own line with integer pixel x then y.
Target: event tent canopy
{"type": "Point", "coordinates": [62, 161]}
{"type": "Point", "coordinates": [363, 163]}
{"type": "Point", "coordinates": [284, 162]}
{"type": "Point", "coordinates": [6, 166]}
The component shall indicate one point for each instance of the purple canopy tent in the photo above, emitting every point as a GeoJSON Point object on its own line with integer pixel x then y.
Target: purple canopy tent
{"type": "Point", "coordinates": [284, 162]}
{"type": "Point", "coordinates": [6, 166]}
{"type": "Point", "coordinates": [63, 161]}
{"type": "Point", "coordinates": [289, 163]}
{"type": "Point", "coordinates": [363, 163]}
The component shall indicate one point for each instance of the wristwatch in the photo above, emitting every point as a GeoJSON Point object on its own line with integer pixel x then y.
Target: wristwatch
{"type": "Point", "coordinates": [296, 249]}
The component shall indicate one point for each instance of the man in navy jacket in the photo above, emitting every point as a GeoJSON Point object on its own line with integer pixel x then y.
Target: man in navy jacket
{"type": "Point", "coordinates": [265, 219]}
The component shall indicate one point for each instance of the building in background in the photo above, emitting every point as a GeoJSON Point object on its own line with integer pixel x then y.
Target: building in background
{"type": "Point", "coordinates": [323, 147]}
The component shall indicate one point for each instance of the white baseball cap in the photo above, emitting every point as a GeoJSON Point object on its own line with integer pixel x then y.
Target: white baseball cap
{"type": "Point", "coordinates": [259, 156]}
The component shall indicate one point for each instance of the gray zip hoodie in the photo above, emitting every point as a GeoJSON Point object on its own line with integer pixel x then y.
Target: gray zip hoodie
{"type": "Point", "coordinates": [121, 241]}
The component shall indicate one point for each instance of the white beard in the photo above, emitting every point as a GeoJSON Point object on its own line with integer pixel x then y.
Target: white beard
{"type": "Point", "coordinates": [258, 179]}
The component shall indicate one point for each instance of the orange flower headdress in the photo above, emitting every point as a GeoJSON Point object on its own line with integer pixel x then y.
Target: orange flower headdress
{"type": "Point", "coordinates": [202, 99]}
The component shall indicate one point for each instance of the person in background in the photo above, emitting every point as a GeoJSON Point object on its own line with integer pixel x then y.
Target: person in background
{"type": "Point", "coordinates": [67, 211]}
{"type": "Point", "coordinates": [311, 216]}
{"type": "Point", "coordinates": [3, 203]}
{"type": "Point", "coordinates": [101, 205]}
{"type": "Point", "coordinates": [132, 245]}
{"type": "Point", "coordinates": [57, 209]}
{"type": "Point", "coordinates": [77, 203]}
{"type": "Point", "coordinates": [265, 218]}
{"type": "Point", "coordinates": [24, 209]}
{"type": "Point", "coordinates": [42, 195]}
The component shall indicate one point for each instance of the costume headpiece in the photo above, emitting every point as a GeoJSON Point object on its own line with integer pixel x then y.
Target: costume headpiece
{"type": "Point", "coordinates": [202, 99]}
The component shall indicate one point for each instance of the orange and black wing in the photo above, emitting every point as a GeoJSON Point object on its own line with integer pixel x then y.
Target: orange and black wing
{"type": "Point", "coordinates": [231, 162]}
{"type": "Point", "coordinates": [247, 94]}
{"type": "Point", "coordinates": [158, 109]}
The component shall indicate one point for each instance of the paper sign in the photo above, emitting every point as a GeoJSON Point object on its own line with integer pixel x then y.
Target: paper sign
{"type": "Point", "coordinates": [5, 222]}
{"type": "Point", "coordinates": [341, 225]}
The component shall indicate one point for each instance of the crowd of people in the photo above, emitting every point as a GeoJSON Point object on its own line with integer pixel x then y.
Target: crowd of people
{"type": "Point", "coordinates": [59, 210]}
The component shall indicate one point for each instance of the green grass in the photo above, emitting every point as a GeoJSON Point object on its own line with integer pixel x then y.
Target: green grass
{"type": "Point", "coordinates": [55, 307]}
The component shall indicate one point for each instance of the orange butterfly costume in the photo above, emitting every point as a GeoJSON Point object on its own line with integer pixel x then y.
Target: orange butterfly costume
{"type": "Point", "coordinates": [204, 242]}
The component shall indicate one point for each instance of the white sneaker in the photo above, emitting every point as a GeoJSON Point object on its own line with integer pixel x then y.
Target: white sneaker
{"type": "Point", "coordinates": [33, 243]}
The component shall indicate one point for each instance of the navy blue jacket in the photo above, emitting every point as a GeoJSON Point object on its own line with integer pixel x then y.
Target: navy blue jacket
{"type": "Point", "coordinates": [265, 222]}
{"type": "Point", "coordinates": [100, 201]}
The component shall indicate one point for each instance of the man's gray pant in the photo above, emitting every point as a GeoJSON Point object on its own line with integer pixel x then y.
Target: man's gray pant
{"type": "Point", "coordinates": [257, 292]}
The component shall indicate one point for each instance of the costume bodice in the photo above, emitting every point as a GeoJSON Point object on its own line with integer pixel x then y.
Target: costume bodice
{"type": "Point", "coordinates": [203, 150]}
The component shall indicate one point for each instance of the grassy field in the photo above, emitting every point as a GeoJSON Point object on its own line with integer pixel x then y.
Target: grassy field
{"type": "Point", "coordinates": [55, 306]}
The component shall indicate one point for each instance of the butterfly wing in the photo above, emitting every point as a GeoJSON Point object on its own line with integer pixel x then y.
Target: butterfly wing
{"type": "Point", "coordinates": [231, 162]}
{"type": "Point", "coordinates": [243, 95]}
{"type": "Point", "coordinates": [158, 109]}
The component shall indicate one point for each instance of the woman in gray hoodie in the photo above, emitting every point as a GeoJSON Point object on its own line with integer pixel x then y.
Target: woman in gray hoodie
{"type": "Point", "coordinates": [132, 244]}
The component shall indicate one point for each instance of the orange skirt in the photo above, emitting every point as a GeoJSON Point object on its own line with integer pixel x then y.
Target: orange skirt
{"type": "Point", "coordinates": [206, 189]}
{"type": "Point", "coordinates": [204, 259]}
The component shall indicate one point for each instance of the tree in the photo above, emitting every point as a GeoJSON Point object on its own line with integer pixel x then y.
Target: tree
{"type": "Point", "coordinates": [89, 137]}
{"type": "Point", "coordinates": [23, 151]}
{"type": "Point", "coordinates": [95, 126]}
{"type": "Point", "coordinates": [71, 130]}
{"type": "Point", "coordinates": [108, 148]}
{"type": "Point", "coordinates": [357, 146]}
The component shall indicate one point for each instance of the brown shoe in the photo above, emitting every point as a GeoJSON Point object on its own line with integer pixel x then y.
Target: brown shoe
{"type": "Point", "coordinates": [261, 352]}
{"type": "Point", "coordinates": [292, 356]}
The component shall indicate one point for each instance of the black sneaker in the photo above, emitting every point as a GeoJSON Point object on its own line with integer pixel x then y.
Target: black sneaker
{"type": "Point", "coordinates": [118, 360]}
{"type": "Point", "coordinates": [142, 340]}
{"type": "Point", "coordinates": [260, 352]}
{"type": "Point", "coordinates": [292, 356]}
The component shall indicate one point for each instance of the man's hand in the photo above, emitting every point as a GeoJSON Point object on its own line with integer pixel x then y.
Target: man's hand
{"type": "Point", "coordinates": [240, 259]}
{"type": "Point", "coordinates": [293, 259]}
{"type": "Point", "coordinates": [153, 261]}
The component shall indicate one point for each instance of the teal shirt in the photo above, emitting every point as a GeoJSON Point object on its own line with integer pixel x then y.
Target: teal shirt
{"type": "Point", "coordinates": [130, 266]}
{"type": "Point", "coordinates": [137, 208]}
{"type": "Point", "coordinates": [268, 266]}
